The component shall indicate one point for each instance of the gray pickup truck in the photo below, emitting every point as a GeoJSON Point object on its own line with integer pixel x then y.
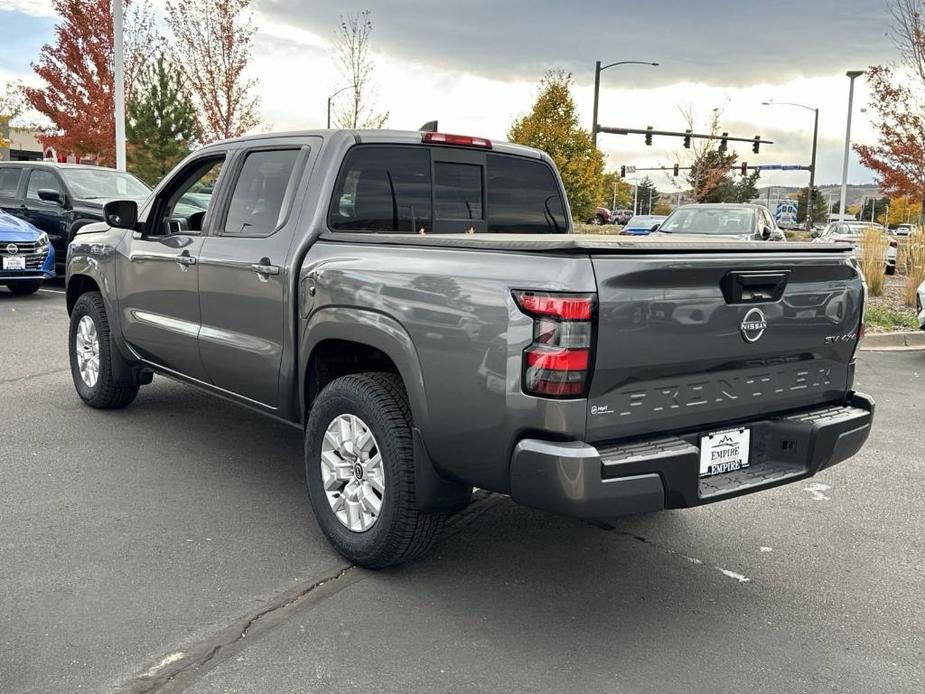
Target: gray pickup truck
{"type": "Point", "coordinates": [417, 304]}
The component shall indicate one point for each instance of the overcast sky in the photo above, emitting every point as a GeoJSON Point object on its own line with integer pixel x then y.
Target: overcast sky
{"type": "Point", "coordinates": [475, 66]}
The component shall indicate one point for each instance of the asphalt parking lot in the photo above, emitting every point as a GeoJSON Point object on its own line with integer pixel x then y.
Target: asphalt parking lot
{"type": "Point", "coordinates": [170, 547]}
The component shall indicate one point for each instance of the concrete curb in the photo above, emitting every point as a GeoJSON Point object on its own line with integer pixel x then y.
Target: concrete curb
{"type": "Point", "coordinates": [893, 342]}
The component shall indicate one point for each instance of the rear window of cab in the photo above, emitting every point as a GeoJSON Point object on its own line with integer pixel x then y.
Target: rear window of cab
{"type": "Point", "coordinates": [420, 189]}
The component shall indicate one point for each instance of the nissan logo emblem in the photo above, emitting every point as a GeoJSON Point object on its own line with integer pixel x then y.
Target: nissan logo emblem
{"type": "Point", "coordinates": [753, 325]}
{"type": "Point", "coordinates": [12, 249]}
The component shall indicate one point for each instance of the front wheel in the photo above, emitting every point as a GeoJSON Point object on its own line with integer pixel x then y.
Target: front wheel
{"type": "Point", "coordinates": [92, 358]}
{"type": "Point", "coordinates": [359, 469]}
{"type": "Point", "coordinates": [22, 288]}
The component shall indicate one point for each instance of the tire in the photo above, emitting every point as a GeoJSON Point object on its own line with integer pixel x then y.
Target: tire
{"type": "Point", "coordinates": [400, 532]}
{"type": "Point", "coordinates": [599, 220]}
{"type": "Point", "coordinates": [103, 393]}
{"type": "Point", "coordinates": [23, 288]}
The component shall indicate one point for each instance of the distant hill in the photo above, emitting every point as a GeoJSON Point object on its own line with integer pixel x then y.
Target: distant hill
{"type": "Point", "coordinates": [855, 193]}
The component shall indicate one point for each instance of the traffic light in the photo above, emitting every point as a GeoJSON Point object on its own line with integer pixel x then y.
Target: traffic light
{"type": "Point", "coordinates": [649, 135]}
{"type": "Point", "coordinates": [756, 144]}
{"type": "Point", "coordinates": [622, 172]}
{"type": "Point", "coordinates": [744, 168]}
{"type": "Point", "coordinates": [724, 142]}
{"type": "Point", "coordinates": [675, 169]}
{"type": "Point", "coordinates": [687, 141]}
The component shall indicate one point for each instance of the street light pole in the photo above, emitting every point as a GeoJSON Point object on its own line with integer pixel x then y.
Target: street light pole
{"type": "Point", "coordinates": [810, 196]}
{"type": "Point", "coordinates": [118, 94]}
{"type": "Point", "coordinates": [852, 75]}
{"type": "Point", "coordinates": [597, 88]}
{"type": "Point", "coordinates": [342, 89]}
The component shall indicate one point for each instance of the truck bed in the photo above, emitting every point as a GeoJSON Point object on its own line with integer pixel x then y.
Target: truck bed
{"type": "Point", "coordinates": [585, 243]}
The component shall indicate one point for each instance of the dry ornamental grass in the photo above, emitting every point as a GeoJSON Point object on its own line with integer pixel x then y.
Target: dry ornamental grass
{"type": "Point", "coordinates": [912, 260]}
{"type": "Point", "coordinates": [872, 249]}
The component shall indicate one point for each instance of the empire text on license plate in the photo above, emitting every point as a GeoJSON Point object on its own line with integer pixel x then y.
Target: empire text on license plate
{"type": "Point", "coordinates": [14, 263]}
{"type": "Point", "coordinates": [724, 451]}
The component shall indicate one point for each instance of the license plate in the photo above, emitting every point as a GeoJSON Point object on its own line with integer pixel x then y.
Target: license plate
{"type": "Point", "coordinates": [724, 451]}
{"type": "Point", "coordinates": [14, 263]}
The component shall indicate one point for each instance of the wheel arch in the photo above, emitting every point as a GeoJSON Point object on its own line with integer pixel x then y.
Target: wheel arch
{"type": "Point", "coordinates": [338, 341]}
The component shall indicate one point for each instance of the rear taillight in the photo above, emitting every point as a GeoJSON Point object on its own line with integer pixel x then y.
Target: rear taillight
{"type": "Point", "coordinates": [458, 140]}
{"type": "Point", "coordinates": [558, 361]}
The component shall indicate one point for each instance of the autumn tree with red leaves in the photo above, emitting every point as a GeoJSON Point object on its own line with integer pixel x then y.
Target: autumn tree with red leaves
{"type": "Point", "coordinates": [898, 102]}
{"type": "Point", "coordinates": [78, 72]}
{"type": "Point", "coordinates": [213, 48]}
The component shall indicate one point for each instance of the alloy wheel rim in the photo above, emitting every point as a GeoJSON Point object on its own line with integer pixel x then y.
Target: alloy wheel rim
{"type": "Point", "coordinates": [352, 472]}
{"type": "Point", "coordinates": [87, 347]}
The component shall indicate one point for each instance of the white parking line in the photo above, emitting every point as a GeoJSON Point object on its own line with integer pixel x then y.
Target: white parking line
{"type": "Point", "coordinates": [52, 291]}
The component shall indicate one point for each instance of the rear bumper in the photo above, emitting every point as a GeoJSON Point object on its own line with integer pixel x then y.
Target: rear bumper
{"type": "Point", "coordinates": [652, 474]}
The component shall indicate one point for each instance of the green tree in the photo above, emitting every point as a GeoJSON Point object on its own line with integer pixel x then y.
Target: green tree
{"type": "Point", "coordinates": [618, 194]}
{"type": "Point", "coordinates": [879, 208]}
{"type": "Point", "coordinates": [820, 206]}
{"type": "Point", "coordinates": [162, 126]}
{"type": "Point", "coordinates": [552, 126]}
{"type": "Point", "coordinates": [647, 197]}
{"type": "Point", "coordinates": [746, 188]}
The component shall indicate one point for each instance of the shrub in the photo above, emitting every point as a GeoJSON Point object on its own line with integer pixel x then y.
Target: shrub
{"type": "Point", "coordinates": [913, 262]}
{"type": "Point", "coordinates": [873, 249]}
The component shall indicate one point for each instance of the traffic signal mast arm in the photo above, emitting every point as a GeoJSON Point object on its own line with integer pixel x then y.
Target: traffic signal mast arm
{"type": "Point", "coordinates": [743, 167]}
{"type": "Point", "coordinates": [686, 135]}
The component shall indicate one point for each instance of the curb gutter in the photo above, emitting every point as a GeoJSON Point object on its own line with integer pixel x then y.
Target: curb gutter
{"type": "Point", "coordinates": [889, 342]}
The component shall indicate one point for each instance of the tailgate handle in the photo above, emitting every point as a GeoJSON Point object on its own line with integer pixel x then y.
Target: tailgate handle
{"type": "Point", "coordinates": [754, 287]}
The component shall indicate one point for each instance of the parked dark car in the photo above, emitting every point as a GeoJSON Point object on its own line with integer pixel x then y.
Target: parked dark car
{"type": "Point", "coordinates": [601, 216]}
{"type": "Point", "coordinates": [61, 198]}
{"type": "Point", "coordinates": [416, 305]}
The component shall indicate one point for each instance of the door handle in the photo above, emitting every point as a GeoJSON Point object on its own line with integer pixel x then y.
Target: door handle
{"type": "Point", "coordinates": [265, 269]}
{"type": "Point", "coordinates": [184, 260]}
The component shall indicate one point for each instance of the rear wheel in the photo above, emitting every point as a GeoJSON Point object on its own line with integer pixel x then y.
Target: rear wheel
{"type": "Point", "coordinates": [24, 287]}
{"type": "Point", "coordinates": [92, 357]}
{"type": "Point", "coordinates": [359, 469]}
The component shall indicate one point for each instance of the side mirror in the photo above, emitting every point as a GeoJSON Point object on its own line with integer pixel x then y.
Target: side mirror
{"type": "Point", "coordinates": [49, 195]}
{"type": "Point", "coordinates": [815, 233]}
{"type": "Point", "coordinates": [654, 228]}
{"type": "Point", "coordinates": [121, 214]}
{"type": "Point", "coordinates": [765, 233]}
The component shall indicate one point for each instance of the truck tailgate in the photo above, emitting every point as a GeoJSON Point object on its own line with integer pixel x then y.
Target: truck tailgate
{"type": "Point", "coordinates": [711, 338]}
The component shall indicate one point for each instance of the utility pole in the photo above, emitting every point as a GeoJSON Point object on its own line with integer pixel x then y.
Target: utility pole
{"type": "Point", "coordinates": [342, 89]}
{"type": "Point", "coordinates": [852, 75]}
{"type": "Point", "coordinates": [597, 89]}
{"type": "Point", "coordinates": [119, 83]}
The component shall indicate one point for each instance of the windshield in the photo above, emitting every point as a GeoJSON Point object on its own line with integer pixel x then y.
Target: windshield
{"type": "Point", "coordinates": [710, 220]}
{"type": "Point", "coordinates": [91, 184]}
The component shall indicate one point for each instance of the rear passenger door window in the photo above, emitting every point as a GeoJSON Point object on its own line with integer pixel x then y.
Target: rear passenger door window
{"type": "Point", "coordinates": [9, 181]}
{"type": "Point", "coordinates": [262, 193]}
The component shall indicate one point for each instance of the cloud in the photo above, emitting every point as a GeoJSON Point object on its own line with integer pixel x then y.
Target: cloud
{"type": "Point", "coordinates": [728, 42]}
{"type": "Point", "coordinates": [33, 8]}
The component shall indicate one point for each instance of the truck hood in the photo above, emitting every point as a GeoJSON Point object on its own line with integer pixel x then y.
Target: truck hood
{"type": "Point", "coordinates": [16, 229]}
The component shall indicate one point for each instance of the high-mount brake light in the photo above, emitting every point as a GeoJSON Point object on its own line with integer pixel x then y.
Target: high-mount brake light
{"type": "Point", "coordinates": [558, 361]}
{"type": "Point", "coordinates": [457, 140]}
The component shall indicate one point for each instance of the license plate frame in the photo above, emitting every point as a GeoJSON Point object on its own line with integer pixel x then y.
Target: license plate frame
{"type": "Point", "coordinates": [726, 450]}
{"type": "Point", "coordinates": [14, 262]}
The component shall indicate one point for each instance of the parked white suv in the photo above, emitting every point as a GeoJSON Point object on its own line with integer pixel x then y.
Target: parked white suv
{"type": "Point", "coordinates": [851, 232]}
